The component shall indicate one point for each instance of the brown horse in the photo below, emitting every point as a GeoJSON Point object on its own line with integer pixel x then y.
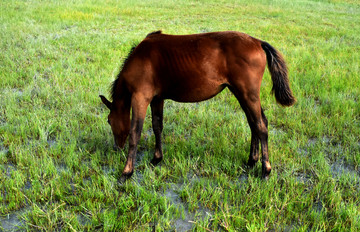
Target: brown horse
{"type": "Point", "coordinates": [193, 68]}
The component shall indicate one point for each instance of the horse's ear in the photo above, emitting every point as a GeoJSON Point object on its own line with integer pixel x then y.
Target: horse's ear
{"type": "Point", "coordinates": [106, 102]}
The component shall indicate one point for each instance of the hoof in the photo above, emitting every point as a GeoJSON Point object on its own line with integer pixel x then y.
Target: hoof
{"type": "Point", "coordinates": [125, 176]}
{"type": "Point", "coordinates": [251, 163]}
{"type": "Point", "coordinates": [266, 176]}
{"type": "Point", "coordinates": [266, 169]}
{"type": "Point", "coordinates": [155, 161]}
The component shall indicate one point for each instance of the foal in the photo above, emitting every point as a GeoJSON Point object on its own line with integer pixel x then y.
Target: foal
{"type": "Point", "coordinates": [193, 68]}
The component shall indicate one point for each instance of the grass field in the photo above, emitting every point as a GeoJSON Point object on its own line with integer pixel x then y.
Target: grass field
{"type": "Point", "coordinates": [58, 171]}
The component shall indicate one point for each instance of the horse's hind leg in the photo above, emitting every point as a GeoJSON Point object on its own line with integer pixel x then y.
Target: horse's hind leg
{"type": "Point", "coordinates": [157, 107]}
{"type": "Point", "coordinates": [250, 102]}
{"type": "Point", "coordinates": [259, 132]}
{"type": "Point", "coordinates": [264, 146]}
{"type": "Point", "coordinates": [254, 147]}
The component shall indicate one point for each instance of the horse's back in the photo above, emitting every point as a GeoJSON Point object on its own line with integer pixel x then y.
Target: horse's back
{"type": "Point", "coordinates": [196, 67]}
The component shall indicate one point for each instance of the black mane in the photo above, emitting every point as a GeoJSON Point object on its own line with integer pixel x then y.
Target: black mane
{"type": "Point", "coordinates": [154, 33]}
{"type": "Point", "coordinates": [116, 82]}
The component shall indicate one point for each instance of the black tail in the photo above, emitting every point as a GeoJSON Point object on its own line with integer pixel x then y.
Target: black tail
{"type": "Point", "coordinates": [279, 75]}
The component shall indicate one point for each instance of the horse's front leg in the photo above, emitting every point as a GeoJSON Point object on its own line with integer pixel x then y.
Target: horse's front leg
{"type": "Point", "coordinates": [139, 104]}
{"type": "Point", "coordinates": [157, 107]}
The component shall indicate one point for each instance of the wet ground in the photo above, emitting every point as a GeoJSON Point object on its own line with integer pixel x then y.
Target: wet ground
{"type": "Point", "coordinates": [339, 167]}
{"type": "Point", "coordinates": [13, 221]}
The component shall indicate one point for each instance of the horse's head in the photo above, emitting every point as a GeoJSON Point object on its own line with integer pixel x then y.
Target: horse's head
{"type": "Point", "coordinates": [119, 120]}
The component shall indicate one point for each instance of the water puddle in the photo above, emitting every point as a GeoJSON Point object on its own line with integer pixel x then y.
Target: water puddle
{"type": "Point", "coordinates": [51, 143]}
{"type": "Point", "coordinates": [305, 150]}
{"type": "Point", "coordinates": [243, 179]}
{"type": "Point", "coordinates": [28, 185]}
{"type": "Point", "coordinates": [188, 219]}
{"type": "Point", "coordinates": [9, 168]}
{"type": "Point", "coordinates": [138, 177]}
{"type": "Point", "coordinates": [172, 196]}
{"type": "Point", "coordinates": [340, 168]}
{"type": "Point", "coordinates": [331, 147]}
{"type": "Point", "coordinates": [286, 228]}
{"type": "Point", "coordinates": [13, 221]}
{"type": "Point", "coordinates": [318, 206]}
{"type": "Point", "coordinates": [108, 170]}
{"type": "Point", "coordinates": [3, 149]}
{"type": "Point", "coordinates": [303, 178]}
{"type": "Point", "coordinates": [139, 157]}
{"type": "Point", "coordinates": [61, 168]}
{"type": "Point", "coordinates": [83, 219]}
{"type": "Point", "coordinates": [18, 92]}
{"type": "Point", "coordinates": [183, 223]}
{"type": "Point", "coordinates": [312, 141]}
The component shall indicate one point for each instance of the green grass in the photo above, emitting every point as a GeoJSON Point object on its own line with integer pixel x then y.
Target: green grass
{"type": "Point", "coordinates": [57, 167]}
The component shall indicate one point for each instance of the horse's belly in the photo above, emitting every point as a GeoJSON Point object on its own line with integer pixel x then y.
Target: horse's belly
{"type": "Point", "coordinates": [193, 93]}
